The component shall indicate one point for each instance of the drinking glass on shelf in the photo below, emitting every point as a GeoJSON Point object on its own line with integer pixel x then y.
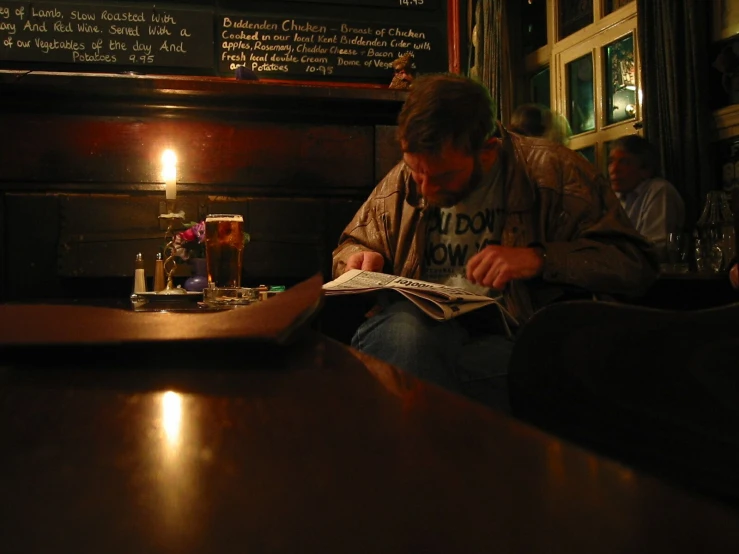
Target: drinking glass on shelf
{"type": "Point", "coordinates": [714, 252]}
{"type": "Point", "coordinates": [715, 258]}
{"type": "Point", "coordinates": [700, 253]}
{"type": "Point", "coordinates": [677, 253]}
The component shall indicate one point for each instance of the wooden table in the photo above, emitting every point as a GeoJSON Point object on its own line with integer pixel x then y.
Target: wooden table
{"type": "Point", "coordinates": [308, 447]}
{"type": "Point", "coordinates": [690, 291]}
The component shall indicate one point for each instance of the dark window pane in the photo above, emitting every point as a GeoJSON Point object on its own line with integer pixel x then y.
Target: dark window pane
{"type": "Point", "coordinates": [540, 93]}
{"type": "Point", "coordinates": [580, 93]}
{"type": "Point", "coordinates": [533, 25]}
{"type": "Point", "coordinates": [588, 153]}
{"type": "Point", "coordinates": [620, 80]}
{"type": "Point", "coordinates": [574, 15]}
{"type": "Point", "coordinates": [613, 5]}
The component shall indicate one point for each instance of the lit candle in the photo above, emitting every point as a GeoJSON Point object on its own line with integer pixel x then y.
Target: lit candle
{"type": "Point", "coordinates": [169, 174]}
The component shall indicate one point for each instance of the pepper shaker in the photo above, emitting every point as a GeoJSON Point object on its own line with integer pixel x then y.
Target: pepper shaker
{"type": "Point", "coordinates": [159, 273]}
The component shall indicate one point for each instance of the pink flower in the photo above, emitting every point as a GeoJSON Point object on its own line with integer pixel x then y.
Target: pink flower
{"type": "Point", "coordinates": [189, 235]}
{"type": "Point", "coordinates": [191, 242]}
{"type": "Point", "coordinates": [194, 233]}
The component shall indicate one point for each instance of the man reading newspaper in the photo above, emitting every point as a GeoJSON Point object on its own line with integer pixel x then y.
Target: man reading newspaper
{"type": "Point", "coordinates": [521, 218]}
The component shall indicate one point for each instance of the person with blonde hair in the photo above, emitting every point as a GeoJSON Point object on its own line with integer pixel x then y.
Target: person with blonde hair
{"type": "Point", "coordinates": [535, 120]}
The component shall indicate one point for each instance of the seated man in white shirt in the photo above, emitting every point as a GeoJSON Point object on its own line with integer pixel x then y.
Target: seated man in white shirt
{"type": "Point", "coordinates": [652, 203]}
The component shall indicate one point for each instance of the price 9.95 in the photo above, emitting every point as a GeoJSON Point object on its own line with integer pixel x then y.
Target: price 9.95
{"type": "Point", "coordinates": [143, 58]}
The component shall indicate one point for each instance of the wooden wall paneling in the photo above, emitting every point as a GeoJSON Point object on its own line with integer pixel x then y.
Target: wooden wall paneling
{"type": "Point", "coordinates": [99, 236]}
{"type": "Point", "coordinates": [195, 98]}
{"type": "Point", "coordinates": [289, 239]}
{"type": "Point", "coordinates": [31, 242]}
{"type": "Point", "coordinates": [387, 150]}
{"type": "Point", "coordinates": [280, 263]}
{"type": "Point", "coordinates": [339, 212]}
{"type": "Point", "coordinates": [63, 151]}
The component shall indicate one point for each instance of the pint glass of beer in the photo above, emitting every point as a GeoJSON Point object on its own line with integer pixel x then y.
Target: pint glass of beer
{"type": "Point", "coordinates": [224, 244]}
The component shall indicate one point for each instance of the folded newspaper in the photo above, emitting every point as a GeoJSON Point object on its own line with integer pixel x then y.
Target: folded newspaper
{"type": "Point", "coordinates": [440, 302]}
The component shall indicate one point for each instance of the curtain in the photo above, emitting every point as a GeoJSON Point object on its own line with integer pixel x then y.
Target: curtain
{"type": "Point", "coordinates": [673, 45]}
{"type": "Point", "coordinates": [486, 43]}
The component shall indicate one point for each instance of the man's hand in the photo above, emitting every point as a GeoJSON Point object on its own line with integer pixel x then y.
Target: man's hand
{"type": "Point", "coordinates": [366, 261]}
{"type": "Point", "coordinates": [734, 276]}
{"type": "Point", "coordinates": [494, 266]}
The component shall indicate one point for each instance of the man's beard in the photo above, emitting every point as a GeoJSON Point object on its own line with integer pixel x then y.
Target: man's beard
{"type": "Point", "coordinates": [446, 199]}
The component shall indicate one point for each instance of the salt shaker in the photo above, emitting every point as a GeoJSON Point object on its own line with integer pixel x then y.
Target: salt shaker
{"type": "Point", "coordinates": [139, 275]}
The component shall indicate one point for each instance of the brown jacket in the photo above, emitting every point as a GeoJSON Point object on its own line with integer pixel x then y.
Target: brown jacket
{"type": "Point", "coordinates": [553, 198]}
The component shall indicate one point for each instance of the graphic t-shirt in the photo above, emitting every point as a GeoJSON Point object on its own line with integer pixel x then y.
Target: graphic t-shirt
{"type": "Point", "coordinates": [457, 233]}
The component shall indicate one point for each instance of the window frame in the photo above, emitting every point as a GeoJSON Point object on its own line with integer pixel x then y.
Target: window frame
{"type": "Point", "coordinates": [593, 39]}
{"type": "Point", "coordinates": [596, 45]}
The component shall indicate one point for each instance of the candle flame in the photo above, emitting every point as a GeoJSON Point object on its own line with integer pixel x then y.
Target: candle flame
{"type": "Point", "coordinates": [169, 173]}
{"type": "Point", "coordinates": [169, 158]}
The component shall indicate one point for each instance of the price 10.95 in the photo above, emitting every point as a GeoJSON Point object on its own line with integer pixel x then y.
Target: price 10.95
{"type": "Point", "coordinates": [322, 69]}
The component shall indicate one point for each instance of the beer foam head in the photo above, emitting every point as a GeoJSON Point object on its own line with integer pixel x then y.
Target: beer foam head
{"type": "Point", "coordinates": [224, 217]}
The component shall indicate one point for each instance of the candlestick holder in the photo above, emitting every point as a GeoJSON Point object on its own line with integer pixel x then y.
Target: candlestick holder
{"type": "Point", "coordinates": [170, 265]}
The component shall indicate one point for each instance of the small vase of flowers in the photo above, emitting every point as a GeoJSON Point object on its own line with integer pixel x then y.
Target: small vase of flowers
{"type": "Point", "coordinates": [189, 246]}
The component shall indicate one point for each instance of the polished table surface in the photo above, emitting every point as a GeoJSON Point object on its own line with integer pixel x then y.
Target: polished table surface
{"type": "Point", "coordinates": [309, 447]}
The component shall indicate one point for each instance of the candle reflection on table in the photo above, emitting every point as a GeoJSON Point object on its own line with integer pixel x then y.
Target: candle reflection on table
{"type": "Point", "coordinates": [172, 417]}
{"type": "Point", "coordinates": [175, 470]}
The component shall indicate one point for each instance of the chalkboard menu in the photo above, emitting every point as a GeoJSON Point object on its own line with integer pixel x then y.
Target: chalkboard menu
{"type": "Point", "coordinates": [279, 46]}
{"type": "Point", "coordinates": [132, 35]}
{"type": "Point", "coordinates": [401, 4]}
{"type": "Point", "coordinates": [340, 40]}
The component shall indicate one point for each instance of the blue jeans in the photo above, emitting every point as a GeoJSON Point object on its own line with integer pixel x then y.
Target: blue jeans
{"type": "Point", "coordinates": [463, 360]}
